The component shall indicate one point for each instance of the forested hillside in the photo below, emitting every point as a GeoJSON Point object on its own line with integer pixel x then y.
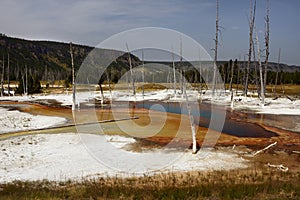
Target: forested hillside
{"type": "Point", "coordinates": [50, 61]}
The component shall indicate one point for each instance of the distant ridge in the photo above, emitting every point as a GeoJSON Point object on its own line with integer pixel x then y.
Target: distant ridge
{"type": "Point", "coordinates": [41, 56]}
{"type": "Point", "coordinates": [52, 59]}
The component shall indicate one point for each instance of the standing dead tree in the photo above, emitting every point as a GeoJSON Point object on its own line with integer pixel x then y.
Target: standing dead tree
{"type": "Point", "coordinates": [8, 75]}
{"type": "Point", "coordinates": [200, 76]}
{"type": "Point", "coordinates": [26, 80]}
{"type": "Point", "coordinates": [73, 78]}
{"type": "Point", "coordinates": [262, 94]}
{"type": "Point", "coordinates": [131, 72]}
{"type": "Point", "coordinates": [230, 84]}
{"type": "Point", "coordinates": [231, 74]}
{"type": "Point", "coordinates": [251, 27]}
{"type": "Point", "coordinates": [238, 77]}
{"type": "Point", "coordinates": [2, 75]}
{"type": "Point", "coordinates": [216, 49]}
{"type": "Point", "coordinates": [191, 119]}
{"type": "Point", "coordinates": [255, 68]}
{"type": "Point", "coordinates": [174, 73]}
{"type": "Point", "coordinates": [267, 39]}
{"type": "Point", "coordinates": [277, 71]}
{"type": "Point", "coordinates": [182, 71]}
{"type": "Point", "coordinates": [108, 74]}
{"type": "Point", "coordinates": [143, 74]}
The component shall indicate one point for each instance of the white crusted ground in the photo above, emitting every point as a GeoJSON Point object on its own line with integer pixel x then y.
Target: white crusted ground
{"type": "Point", "coordinates": [61, 157]}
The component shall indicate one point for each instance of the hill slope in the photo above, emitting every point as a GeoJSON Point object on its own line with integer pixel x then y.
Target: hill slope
{"type": "Point", "coordinates": [49, 60]}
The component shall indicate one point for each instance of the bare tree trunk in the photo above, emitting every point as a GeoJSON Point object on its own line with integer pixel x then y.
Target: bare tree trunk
{"type": "Point", "coordinates": [169, 81]}
{"type": "Point", "coordinates": [181, 68]}
{"type": "Point", "coordinates": [8, 73]}
{"type": "Point", "coordinates": [191, 118]}
{"type": "Point", "coordinates": [216, 49]}
{"type": "Point", "coordinates": [23, 81]}
{"type": "Point", "coordinates": [131, 72]}
{"type": "Point", "coordinates": [251, 26]}
{"type": "Point", "coordinates": [277, 71]}
{"type": "Point", "coordinates": [238, 78]}
{"type": "Point", "coordinates": [267, 38]}
{"type": "Point", "coordinates": [73, 79]}
{"type": "Point", "coordinates": [143, 74]}
{"type": "Point", "coordinates": [200, 76]}
{"type": "Point", "coordinates": [46, 74]}
{"type": "Point", "coordinates": [231, 90]}
{"type": "Point", "coordinates": [231, 76]}
{"type": "Point", "coordinates": [2, 75]}
{"type": "Point", "coordinates": [255, 68]}
{"type": "Point", "coordinates": [26, 80]}
{"type": "Point", "coordinates": [100, 86]}
{"type": "Point", "coordinates": [108, 80]}
{"type": "Point", "coordinates": [262, 94]}
{"type": "Point", "coordinates": [174, 74]}
{"type": "Point", "coordinates": [181, 83]}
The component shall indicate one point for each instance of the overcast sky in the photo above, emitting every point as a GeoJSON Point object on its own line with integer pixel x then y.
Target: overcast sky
{"type": "Point", "coordinates": [90, 22]}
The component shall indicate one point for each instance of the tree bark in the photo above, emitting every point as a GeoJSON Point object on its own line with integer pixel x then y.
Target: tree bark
{"type": "Point", "coordinates": [200, 75]}
{"type": "Point", "coordinates": [277, 71]}
{"type": "Point", "coordinates": [131, 72]}
{"type": "Point", "coordinates": [2, 75]}
{"type": "Point", "coordinates": [143, 74]}
{"type": "Point", "coordinates": [26, 80]}
{"type": "Point", "coordinates": [251, 26]}
{"type": "Point", "coordinates": [73, 78]}
{"type": "Point", "coordinates": [216, 49]}
{"type": "Point", "coordinates": [174, 74]}
{"type": "Point", "coordinates": [238, 77]}
{"type": "Point", "coordinates": [262, 94]}
{"type": "Point", "coordinates": [108, 80]}
{"type": "Point", "coordinates": [231, 76]}
{"type": "Point", "coordinates": [8, 75]}
{"type": "Point", "coordinates": [267, 38]}
{"type": "Point", "coordinates": [191, 118]}
{"type": "Point", "coordinates": [181, 68]}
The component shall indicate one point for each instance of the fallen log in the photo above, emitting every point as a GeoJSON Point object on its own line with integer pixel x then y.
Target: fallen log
{"type": "Point", "coordinates": [279, 167]}
{"type": "Point", "coordinates": [264, 149]}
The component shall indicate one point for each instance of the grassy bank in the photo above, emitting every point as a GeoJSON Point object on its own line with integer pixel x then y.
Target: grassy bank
{"type": "Point", "coordinates": [237, 184]}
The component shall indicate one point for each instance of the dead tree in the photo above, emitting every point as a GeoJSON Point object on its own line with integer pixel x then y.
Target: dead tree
{"type": "Point", "coordinates": [231, 90]}
{"type": "Point", "coordinates": [8, 73]}
{"type": "Point", "coordinates": [277, 71]}
{"type": "Point", "coordinates": [100, 86]}
{"type": "Point", "coordinates": [73, 78]}
{"type": "Point", "coordinates": [26, 79]}
{"type": "Point", "coordinates": [174, 73]}
{"type": "Point", "coordinates": [181, 68]}
{"type": "Point", "coordinates": [2, 75]}
{"type": "Point", "coordinates": [131, 72]}
{"type": "Point", "coordinates": [231, 75]}
{"type": "Point", "coordinates": [267, 39]}
{"type": "Point", "coordinates": [108, 81]}
{"type": "Point", "coordinates": [216, 49]}
{"type": "Point", "coordinates": [251, 26]}
{"type": "Point", "coordinates": [262, 94]}
{"type": "Point", "coordinates": [200, 76]}
{"type": "Point", "coordinates": [238, 77]}
{"type": "Point", "coordinates": [143, 74]}
{"type": "Point", "coordinates": [255, 67]}
{"type": "Point", "coordinates": [191, 119]}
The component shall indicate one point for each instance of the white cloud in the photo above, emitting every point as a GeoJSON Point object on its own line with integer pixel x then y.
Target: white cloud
{"type": "Point", "coordinates": [70, 20]}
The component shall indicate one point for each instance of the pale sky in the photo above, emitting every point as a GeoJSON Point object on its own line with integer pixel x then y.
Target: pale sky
{"type": "Point", "coordinates": [90, 22]}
